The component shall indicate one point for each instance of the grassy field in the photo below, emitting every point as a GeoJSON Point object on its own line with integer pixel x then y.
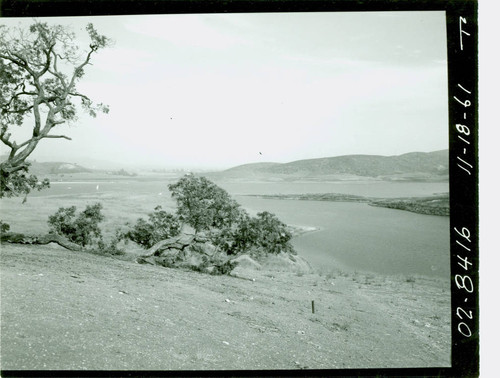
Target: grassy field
{"type": "Point", "coordinates": [118, 208]}
{"type": "Point", "coordinates": [75, 310]}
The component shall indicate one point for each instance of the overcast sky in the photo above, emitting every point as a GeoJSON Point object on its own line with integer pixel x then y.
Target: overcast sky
{"type": "Point", "coordinates": [215, 91]}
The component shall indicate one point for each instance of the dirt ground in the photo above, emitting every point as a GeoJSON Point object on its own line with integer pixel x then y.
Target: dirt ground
{"type": "Point", "coordinates": [75, 310]}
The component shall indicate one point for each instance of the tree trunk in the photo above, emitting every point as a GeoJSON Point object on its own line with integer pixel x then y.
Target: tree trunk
{"type": "Point", "coordinates": [11, 237]}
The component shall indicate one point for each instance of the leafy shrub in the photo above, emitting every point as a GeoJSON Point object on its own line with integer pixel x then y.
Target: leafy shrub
{"type": "Point", "coordinates": [111, 248]}
{"type": "Point", "coordinates": [4, 227]}
{"type": "Point", "coordinates": [272, 234]}
{"type": "Point", "coordinates": [18, 183]}
{"type": "Point", "coordinates": [81, 229]}
{"type": "Point", "coordinates": [203, 205]}
{"type": "Point", "coordinates": [224, 268]}
{"type": "Point", "coordinates": [264, 232]}
{"type": "Point", "coordinates": [161, 225]}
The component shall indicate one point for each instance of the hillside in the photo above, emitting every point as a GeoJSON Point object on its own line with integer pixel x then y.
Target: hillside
{"type": "Point", "coordinates": [45, 168]}
{"type": "Point", "coordinates": [56, 168]}
{"type": "Point", "coordinates": [79, 311]}
{"type": "Point", "coordinates": [411, 166]}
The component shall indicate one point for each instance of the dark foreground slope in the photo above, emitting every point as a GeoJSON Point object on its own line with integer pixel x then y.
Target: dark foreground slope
{"type": "Point", "coordinates": [74, 310]}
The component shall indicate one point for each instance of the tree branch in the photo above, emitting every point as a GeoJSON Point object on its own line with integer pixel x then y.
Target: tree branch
{"type": "Point", "coordinates": [13, 168]}
{"type": "Point", "coordinates": [40, 137]}
{"type": "Point", "coordinates": [77, 69]}
{"type": "Point", "coordinates": [57, 136]}
{"type": "Point", "coordinates": [56, 72]}
{"type": "Point", "coordinates": [20, 61]}
{"type": "Point", "coordinates": [18, 110]}
{"type": "Point", "coordinates": [47, 62]}
{"type": "Point", "coordinates": [11, 237]}
{"type": "Point", "coordinates": [79, 95]}
{"type": "Point", "coordinates": [5, 139]}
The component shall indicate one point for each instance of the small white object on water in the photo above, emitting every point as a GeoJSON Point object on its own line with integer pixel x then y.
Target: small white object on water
{"type": "Point", "coordinates": [227, 300]}
{"type": "Point", "coordinates": [97, 187]}
{"type": "Point", "coordinates": [225, 342]}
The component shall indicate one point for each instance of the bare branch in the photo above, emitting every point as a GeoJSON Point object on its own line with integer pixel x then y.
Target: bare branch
{"type": "Point", "coordinates": [80, 67]}
{"type": "Point", "coordinates": [56, 72]}
{"type": "Point", "coordinates": [47, 63]}
{"type": "Point", "coordinates": [33, 140]}
{"type": "Point", "coordinates": [38, 118]}
{"type": "Point", "coordinates": [57, 136]}
{"type": "Point", "coordinates": [5, 139]}
{"type": "Point", "coordinates": [79, 95]}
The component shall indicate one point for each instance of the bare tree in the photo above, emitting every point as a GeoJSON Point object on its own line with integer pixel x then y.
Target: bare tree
{"type": "Point", "coordinates": [39, 71]}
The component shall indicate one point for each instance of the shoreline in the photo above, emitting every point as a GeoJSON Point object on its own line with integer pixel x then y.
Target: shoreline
{"type": "Point", "coordinates": [297, 230]}
{"type": "Point", "coordinates": [438, 204]}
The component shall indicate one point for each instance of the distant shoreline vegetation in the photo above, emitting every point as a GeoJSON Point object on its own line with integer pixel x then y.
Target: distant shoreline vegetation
{"type": "Point", "coordinates": [438, 204]}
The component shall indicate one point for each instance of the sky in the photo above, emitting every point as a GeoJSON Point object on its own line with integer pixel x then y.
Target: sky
{"type": "Point", "coordinates": [218, 90]}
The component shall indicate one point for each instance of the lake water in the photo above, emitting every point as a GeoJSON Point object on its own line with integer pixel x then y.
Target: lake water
{"type": "Point", "coordinates": [356, 236]}
{"type": "Point", "coordinates": [351, 236]}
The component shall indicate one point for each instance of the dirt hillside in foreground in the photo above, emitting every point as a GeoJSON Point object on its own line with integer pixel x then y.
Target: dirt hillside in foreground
{"type": "Point", "coordinates": [67, 310]}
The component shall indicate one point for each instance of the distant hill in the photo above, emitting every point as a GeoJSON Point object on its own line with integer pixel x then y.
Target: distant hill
{"type": "Point", "coordinates": [411, 166]}
{"type": "Point", "coordinates": [56, 168]}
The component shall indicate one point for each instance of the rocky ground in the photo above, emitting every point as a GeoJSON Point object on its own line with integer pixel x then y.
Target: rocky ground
{"type": "Point", "coordinates": [75, 310]}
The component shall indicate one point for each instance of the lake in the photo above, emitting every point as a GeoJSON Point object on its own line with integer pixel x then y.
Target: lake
{"type": "Point", "coordinates": [356, 236]}
{"type": "Point", "coordinates": [351, 236]}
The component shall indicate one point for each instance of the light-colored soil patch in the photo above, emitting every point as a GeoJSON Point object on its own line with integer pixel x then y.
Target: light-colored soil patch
{"type": "Point", "coordinates": [74, 310]}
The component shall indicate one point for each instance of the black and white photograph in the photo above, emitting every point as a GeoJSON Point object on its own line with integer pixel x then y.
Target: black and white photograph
{"type": "Point", "coordinates": [235, 191]}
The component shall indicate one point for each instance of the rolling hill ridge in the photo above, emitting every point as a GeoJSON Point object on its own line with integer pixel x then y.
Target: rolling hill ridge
{"type": "Point", "coordinates": [409, 166]}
